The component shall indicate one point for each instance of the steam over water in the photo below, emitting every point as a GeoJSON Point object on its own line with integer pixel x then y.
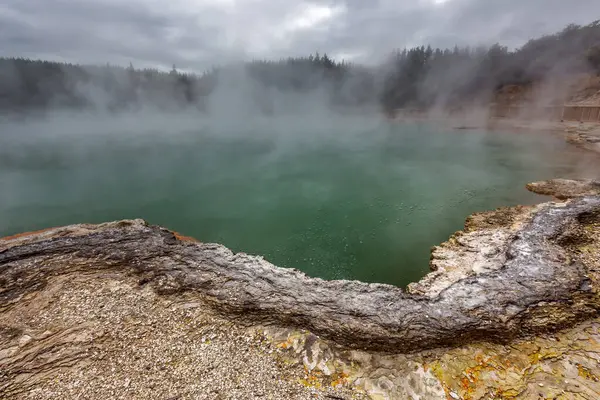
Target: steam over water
{"type": "Point", "coordinates": [336, 197]}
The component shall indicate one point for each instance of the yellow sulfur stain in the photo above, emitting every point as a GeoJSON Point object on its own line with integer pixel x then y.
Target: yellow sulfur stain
{"type": "Point", "coordinates": [586, 373]}
{"type": "Point", "coordinates": [340, 379]}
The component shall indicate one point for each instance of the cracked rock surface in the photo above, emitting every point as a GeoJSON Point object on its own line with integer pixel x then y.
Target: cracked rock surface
{"type": "Point", "coordinates": [584, 135]}
{"type": "Point", "coordinates": [566, 188]}
{"type": "Point", "coordinates": [124, 309]}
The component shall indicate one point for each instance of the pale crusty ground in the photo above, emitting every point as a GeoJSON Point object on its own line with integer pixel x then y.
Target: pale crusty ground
{"type": "Point", "coordinates": [585, 135]}
{"type": "Point", "coordinates": [102, 337]}
{"type": "Point", "coordinates": [106, 337]}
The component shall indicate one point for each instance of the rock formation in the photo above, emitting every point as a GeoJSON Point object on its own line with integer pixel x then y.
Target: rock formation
{"type": "Point", "coordinates": [564, 189]}
{"type": "Point", "coordinates": [585, 136]}
{"type": "Point", "coordinates": [511, 273]}
{"type": "Point", "coordinates": [523, 277]}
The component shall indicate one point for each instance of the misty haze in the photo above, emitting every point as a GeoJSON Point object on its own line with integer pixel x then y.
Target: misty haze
{"type": "Point", "coordinates": [336, 196]}
{"type": "Point", "coordinates": [299, 199]}
{"type": "Point", "coordinates": [330, 167]}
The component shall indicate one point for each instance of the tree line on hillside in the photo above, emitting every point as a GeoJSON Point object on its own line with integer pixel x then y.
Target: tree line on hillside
{"type": "Point", "coordinates": [423, 77]}
{"type": "Point", "coordinates": [39, 85]}
{"type": "Point", "coordinates": [420, 77]}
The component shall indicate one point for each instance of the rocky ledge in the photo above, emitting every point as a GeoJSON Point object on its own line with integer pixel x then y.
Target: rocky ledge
{"type": "Point", "coordinates": [128, 310]}
{"type": "Point", "coordinates": [563, 189]}
{"type": "Point", "coordinates": [585, 136]}
{"type": "Point", "coordinates": [510, 273]}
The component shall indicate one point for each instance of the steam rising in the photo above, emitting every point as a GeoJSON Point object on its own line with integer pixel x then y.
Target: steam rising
{"type": "Point", "coordinates": [292, 159]}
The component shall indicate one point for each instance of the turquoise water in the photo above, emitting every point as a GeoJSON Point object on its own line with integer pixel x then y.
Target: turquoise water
{"type": "Point", "coordinates": [338, 198]}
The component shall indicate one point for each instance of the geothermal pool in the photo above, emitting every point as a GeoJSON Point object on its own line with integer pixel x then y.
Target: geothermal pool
{"type": "Point", "coordinates": [336, 197]}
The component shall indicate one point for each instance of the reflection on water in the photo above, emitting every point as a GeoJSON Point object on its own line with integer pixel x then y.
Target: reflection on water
{"type": "Point", "coordinates": [349, 198]}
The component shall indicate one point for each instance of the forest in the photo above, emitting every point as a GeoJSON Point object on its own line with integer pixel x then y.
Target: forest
{"type": "Point", "coordinates": [420, 77]}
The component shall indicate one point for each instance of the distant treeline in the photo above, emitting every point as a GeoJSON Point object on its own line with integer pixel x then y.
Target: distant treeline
{"type": "Point", "coordinates": [423, 77]}
{"type": "Point", "coordinates": [420, 77]}
{"type": "Point", "coordinates": [31, 84]}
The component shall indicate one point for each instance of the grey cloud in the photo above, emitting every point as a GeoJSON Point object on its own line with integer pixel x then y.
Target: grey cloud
{"type": "Point", "coordinates": [195, 34]}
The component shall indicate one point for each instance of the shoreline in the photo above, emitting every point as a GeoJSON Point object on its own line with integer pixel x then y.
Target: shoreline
{"type": "Point", "coordinates": [128, 310]}
{"type": "Point", "coordinates": [202, 294]}
{"type": "Point", "coordinates": [585, 135]}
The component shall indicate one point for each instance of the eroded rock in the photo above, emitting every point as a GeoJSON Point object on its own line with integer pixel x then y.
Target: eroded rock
{"type": "Point", "coordinates": [85, 306]}
{"type": "Point", "coordinates": [566, 188]}
{"type": "Point", "coordinates": [495, 283]}
{"type": "Point", "coordinates": [586, 139]}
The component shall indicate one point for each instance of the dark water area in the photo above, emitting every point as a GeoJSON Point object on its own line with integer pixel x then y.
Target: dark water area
{"type": "Point", "coordinates": [338, 198]}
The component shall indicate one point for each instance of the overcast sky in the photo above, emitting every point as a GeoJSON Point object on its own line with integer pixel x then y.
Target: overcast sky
{"type": "Point", "coordinates": [195, 34]}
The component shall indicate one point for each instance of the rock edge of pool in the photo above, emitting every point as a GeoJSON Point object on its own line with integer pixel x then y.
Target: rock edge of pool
{"type": "Point", "coordinates": [510, 272]}
{"type": "Point", "coordinates": [125, 309]}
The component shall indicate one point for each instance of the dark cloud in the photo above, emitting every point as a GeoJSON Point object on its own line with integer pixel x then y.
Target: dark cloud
{"type": "Point", "coordinates": [195, 34]}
